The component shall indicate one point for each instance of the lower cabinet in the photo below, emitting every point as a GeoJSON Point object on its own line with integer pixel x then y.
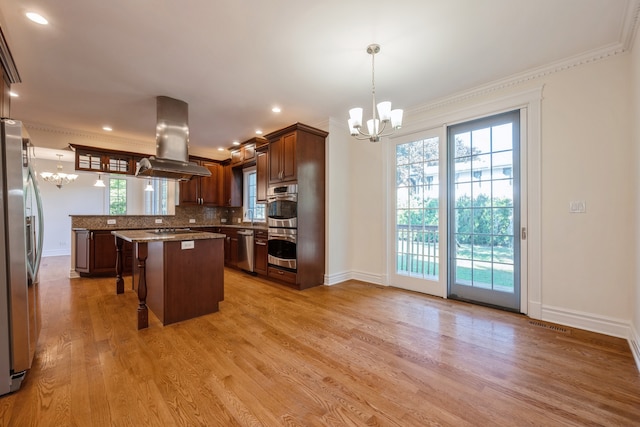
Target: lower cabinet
{"type": "Point", "coordinates": [96, 253]}
{"type": "Point", "coordinates": [230, 244]}
{"type": "Point", "coordinates": [283, 275]}
{"type": "Point", "coordinates": [260, 251]}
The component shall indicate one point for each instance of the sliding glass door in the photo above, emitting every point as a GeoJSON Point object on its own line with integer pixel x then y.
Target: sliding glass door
{"type": "Point", "coordinates": [484, 211]}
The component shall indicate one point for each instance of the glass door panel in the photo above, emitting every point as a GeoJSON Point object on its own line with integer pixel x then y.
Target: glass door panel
{"type": "Point", "coordinates": [417, 209]}
{"type": "Point", "coordinates": [483, 211]}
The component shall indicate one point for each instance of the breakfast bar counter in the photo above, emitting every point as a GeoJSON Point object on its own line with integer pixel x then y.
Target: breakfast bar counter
{"type": "Point", "coordinates": [181, 272]}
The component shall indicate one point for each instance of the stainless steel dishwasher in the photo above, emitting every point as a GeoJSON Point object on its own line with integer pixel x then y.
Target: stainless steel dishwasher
{"type": "Point", "coordinates": [245, 250]}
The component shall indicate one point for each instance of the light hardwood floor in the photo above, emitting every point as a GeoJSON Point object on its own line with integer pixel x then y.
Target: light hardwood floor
{"type": "Point", "coordinates": [351, 354]}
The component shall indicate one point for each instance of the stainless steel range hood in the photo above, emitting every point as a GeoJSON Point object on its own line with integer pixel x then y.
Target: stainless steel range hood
{"type": "Point", "coordinates": [172, 144]}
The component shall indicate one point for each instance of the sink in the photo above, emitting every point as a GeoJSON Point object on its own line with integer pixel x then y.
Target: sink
{"type": "Point", "coordinates": [168, 231]}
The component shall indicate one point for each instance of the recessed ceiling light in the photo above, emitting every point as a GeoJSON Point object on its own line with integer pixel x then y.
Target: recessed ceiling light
{"type": "Point", "coordinates": [37, 18]}
{"type": "Point", "coordinates": [13, 94]}
{"type": "Point", "coordinates": [220, 149]}
{"type": "Point", "coordinates": [276, 109]}
{"type": "Point", "coordinates": [258, 132]}
{"type": "Point", "coordinates": [107, 128]}
{"type": "Point", "coordinates": [235, 143]}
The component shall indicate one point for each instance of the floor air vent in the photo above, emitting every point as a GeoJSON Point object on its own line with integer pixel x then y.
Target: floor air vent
{"type": "Point", "coordinates": [548, 326]}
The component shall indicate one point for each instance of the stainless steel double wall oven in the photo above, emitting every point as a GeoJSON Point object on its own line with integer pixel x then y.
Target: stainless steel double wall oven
{"type": "Point", "coordinates": [282, 219]}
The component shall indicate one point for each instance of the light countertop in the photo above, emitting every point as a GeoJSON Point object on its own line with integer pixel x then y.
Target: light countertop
{"type": "Point", "coordinates": [151, 235]}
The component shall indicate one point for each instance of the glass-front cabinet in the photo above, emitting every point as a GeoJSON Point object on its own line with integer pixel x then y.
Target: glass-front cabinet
{"type": "Point", "coordinates": [95, 160]}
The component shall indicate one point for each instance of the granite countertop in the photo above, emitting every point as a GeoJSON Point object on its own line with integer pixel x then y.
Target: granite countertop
{"type": "Point", "coordinates": [151, 235]}
{"type": "Point", "coordinates": [244, 226]}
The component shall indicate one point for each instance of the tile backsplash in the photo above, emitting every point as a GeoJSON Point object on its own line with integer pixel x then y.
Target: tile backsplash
{"type": "Point", "coordinates": [184, 217]}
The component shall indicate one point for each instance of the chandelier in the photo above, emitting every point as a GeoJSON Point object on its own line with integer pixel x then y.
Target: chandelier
{"type": "Point", "coordinates": [58, 178]}
{"type": "Point", "coordinates": [385, 116]}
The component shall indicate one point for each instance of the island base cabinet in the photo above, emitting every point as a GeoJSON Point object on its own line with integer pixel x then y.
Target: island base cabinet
{"type": "Point", "coordinates": [184, 278]}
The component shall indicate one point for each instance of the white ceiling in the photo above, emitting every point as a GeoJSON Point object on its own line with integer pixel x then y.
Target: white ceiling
{"type": "Point", "coordinates": [104, 62]}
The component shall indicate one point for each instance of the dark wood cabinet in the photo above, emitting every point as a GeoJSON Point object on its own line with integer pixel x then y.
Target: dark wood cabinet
{"type": "Point", "coordinates": [260, 251]}
{"type": "Point", "coordinates": [183, 284]}
{"type": "Point", "coordinates": [204, 190]}
{"type": "Point", "coordinates": [282, 158]}
{"type": "Point", "coordinates": [232, 186]}
{"type": "Point", "coordinates": [230, 244]}
{"type": "Point", "coordinates": [211, 189]}
{"type": "Point", "coordinates": [298, 153]}
{"type": "Point", "coordinates": [232, 238]}
{"type": "Point", "coordinates": [96, 253]}
{"type": "Point", "coordinates": [97, 160]}
{"type": "Point", "coordinates": [262, 175]}
{"type": "Point", "coordinates": [245, 154]}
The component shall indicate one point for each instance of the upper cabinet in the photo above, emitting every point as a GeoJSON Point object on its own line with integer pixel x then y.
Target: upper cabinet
{"type": "Point", "coordinates": [97, 160]}
{"type": "Point", "coordinates": [291, 147]}
{"type": "Point", "coordinates": [232, 186]}
{"type": "Point", "coordinates": [282, 158]}
{"type": "Point", "coordinates": [204, 190]}
{"type": "Point", "coordinates": [246, 153]}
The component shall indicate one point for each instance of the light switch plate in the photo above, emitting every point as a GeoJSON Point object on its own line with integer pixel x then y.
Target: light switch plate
{"type": "Point", "coordinates": [223, 220]}
{"type": "Point", "coordinates": [577, 206]}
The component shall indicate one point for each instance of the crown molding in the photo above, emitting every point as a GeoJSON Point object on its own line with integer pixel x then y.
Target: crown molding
{"type": "Point", "coordinates": [627, 37]}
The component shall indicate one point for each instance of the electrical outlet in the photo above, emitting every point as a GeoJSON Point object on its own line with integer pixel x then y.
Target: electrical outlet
{"type": "Point", "coordinates": [239, 220]}
{"type": "Point", "coordinates": [158, 220]}
{"type": "Point", "coordinates": [223, 220]}
{"type": "Point", "coordinates": [111, 222]}
{"type": "Point", "coordinates": [192, 221]}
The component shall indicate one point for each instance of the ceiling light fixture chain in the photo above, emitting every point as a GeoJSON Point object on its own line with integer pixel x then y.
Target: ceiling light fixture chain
{"type": "Point", "coordinates": [379, 121]}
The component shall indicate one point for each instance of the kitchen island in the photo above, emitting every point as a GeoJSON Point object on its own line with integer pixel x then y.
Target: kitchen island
{"type": "Point", "coordinates": [181, 272]}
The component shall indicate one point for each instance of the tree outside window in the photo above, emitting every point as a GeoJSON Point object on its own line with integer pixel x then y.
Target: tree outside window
{"type": "Point", "coordinates": [117, 196]}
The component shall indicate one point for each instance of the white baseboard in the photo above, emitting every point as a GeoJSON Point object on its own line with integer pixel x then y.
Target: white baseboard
{"type": "Point", "coordinates": [534, 310]}
{"type": "Point", "coordinates": [334, 279]}
{"type": "Point", "coordinates": [634, 343]}
{"type": "Point", "coordinates": [58, 252]}
{"type": "Point", "coordinates": [376, 279]}
{"type": "Point", "coordinates": [73, 274]}
{"type": "Point", "coordinates": [590, 322]}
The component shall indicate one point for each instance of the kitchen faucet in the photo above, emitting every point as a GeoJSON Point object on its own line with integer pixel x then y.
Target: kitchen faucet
{"type": "Point", "coordinates": [251, 217]}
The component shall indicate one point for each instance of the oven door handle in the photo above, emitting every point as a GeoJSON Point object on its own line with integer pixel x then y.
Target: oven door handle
{"type": "Point", "coordinates": [284, 197]}
{"type": "Point", "coordinates": [286, 237]}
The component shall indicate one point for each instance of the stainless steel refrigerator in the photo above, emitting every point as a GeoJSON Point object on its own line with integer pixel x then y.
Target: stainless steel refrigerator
{"type": "Point", "coordinates": [21, 226]}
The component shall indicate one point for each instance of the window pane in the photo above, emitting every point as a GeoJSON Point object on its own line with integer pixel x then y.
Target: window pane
{"type": "Point", "coordinates": [117, 196]}
{"type": "Point", "coordinates": [417, 208]}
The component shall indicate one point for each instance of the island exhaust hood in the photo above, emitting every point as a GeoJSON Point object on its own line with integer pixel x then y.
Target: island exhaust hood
{"type": "Point", "coordinates": [172, 144]}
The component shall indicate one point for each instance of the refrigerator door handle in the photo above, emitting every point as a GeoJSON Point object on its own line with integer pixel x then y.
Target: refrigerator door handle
{"type": "Point", "coordinates": [31, 180]}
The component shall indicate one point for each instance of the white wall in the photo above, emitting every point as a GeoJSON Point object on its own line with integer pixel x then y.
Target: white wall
{"type": "Point", "coordinates": [588, 260]}
{"type": "Point", "coordinates": [587, 151]}
{"type": "Point", "coordinates": [338, 204]}
{"type": "Point", "coordinates": [635, 110]}
{"type": "Point", "coordinates": [78, 198]}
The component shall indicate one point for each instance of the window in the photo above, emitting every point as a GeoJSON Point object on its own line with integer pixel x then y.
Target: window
{"type": "Point", "coordinates": [417, 208]}
{"type": "Point", "coordinates": [117, 196]}
{"type": "Point", "coordinates": [155, 202]}
{"type": "Point", "coordinates": [252, 210]}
